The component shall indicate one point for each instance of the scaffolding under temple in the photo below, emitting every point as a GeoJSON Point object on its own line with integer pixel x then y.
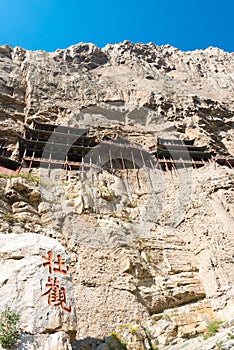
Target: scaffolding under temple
{"type": "Point", "coordinates": [122, 154]}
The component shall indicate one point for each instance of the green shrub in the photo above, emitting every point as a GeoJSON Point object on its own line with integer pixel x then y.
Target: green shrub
{"type": "Point", "coordinates": [154, 347]}
{"type": "Point", "coordinates": [9, 217]}
{"type": "Point", "coordinates": [27, 176]}
{"type": "Point", "coordinates": [5, 176]}
{"type": "Point", "coordinates": [8, 328]}
{"type": "Point", "coordinates": [117, 337]}
{"type": "Point", "coordinates": [219, 344]}
{"type": "Point", "coordinates": [212, 328]}
{"type": "Point", "coordinates": [30, 177]}
{"type": "Point", "coordinates": [167, 317]}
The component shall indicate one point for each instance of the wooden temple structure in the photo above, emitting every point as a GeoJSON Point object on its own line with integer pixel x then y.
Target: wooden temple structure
{"type": "Point", "coordinates": [8, 166]}
{"type": "Point", "coordinates": [54, 146]}
{"type": "Point", "coordinates": [223, 160]}
{"type": "Point", "coordinates": [73, 149]}
{"type": "Point", "coordinates": [174, 153]}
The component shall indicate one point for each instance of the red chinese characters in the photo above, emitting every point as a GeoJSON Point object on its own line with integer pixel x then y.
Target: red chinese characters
{"type": "Point", "coordinates": [49, 262]}
{"type": "Point", "coordinates": [57, 295]}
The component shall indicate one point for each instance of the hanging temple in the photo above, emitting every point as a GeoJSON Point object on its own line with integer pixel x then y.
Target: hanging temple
{"type": "Point", "coordinates": [55, 146]}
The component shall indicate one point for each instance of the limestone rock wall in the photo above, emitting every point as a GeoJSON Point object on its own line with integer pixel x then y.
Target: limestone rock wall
{"type": "Point", "coordinates": [150, 253]}
{"type": "Point", "coordinates": [192, 89]}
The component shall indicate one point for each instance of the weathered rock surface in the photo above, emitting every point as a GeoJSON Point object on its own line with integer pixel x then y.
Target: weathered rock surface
{"type": "Point", "coordinates": [151, 253]}
{"type": "Point", "coordinates": [23, 283]}
{"type": "Point", "coordinates": [194, 89]}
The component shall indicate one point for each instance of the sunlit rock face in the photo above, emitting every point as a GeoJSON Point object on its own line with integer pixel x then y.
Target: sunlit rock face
{"type": "Point", "coordinates": [150, 252]}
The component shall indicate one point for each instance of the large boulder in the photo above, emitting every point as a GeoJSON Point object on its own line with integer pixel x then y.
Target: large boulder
{"type": "Point", "coordinates": [35, 281]}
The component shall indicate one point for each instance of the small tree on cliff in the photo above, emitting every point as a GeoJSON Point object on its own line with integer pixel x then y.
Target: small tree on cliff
{"type": "Point", "coordinates": [9, 333]}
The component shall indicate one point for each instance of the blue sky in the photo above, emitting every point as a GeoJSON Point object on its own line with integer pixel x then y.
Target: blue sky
{"type": "Point", "coordinates": [51, 24]}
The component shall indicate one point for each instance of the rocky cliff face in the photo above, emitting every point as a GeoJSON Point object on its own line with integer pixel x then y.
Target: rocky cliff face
{"type": "Point", "coordinates": [150, 252]}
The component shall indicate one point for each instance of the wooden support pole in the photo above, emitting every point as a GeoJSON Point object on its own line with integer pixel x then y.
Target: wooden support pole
{"type": "Point", "coordinates": [193, 163]}
{"type": "Point", "coordinates": [82, 168]}
{"type": "Point", "coordinates": [175, 169]}
{"type": "Point", "coordinates": [49, 165]}
{"type": "Point", "coordinates": [133, 161]}
{"type": "Point", "coordinates": [204, 163]}
{"type": "Point", "coordinates": [111, 164]}
{"type": "Point", "coordinates": [214, 163]}
{"type": "Point", "coordinates": [165, 162]}
{"type": "Point", "coordinates": [122, 160]}
{"type": "Point", "coordinates": [99, 157]}
{"type": "Point", "coordinates": [152, 166]}
{"type": "Point", "coordinates": [142, 158]}
{"type": "Point", "coordinates": [168, 166]}
{"type": "Point", "coordinates": [229, 163]}
{"type": "Point", "coordinates": [149, 178]}
{"type": "Point", "coordinates": [124, 168]}
{"type": "Point", "coordinates": [134, 167]}
{"type": "Point", "coordinates": [31, 161]}
{"type": "Point", "coordinates": [25, 152]}
{"type": "Point", "coordinates": [91, 169]}
{"type": "Point", "coordinates": [22, 160]}
{"type": "Point", "coordinates": [66, 168]}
